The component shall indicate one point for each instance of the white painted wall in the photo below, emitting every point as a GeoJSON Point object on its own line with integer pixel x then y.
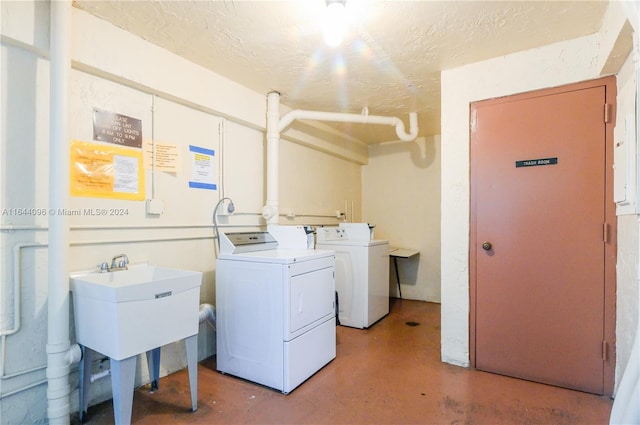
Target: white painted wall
{"type": "Point", "coordinates": [401, 196]}
{"type": "Point", "coordinates": [627, 313]}
{"type": "Point", "coordinates": [311, 192]}
{"type": "Point", "coordinates": [181, 104]}
{"type": "Point", "coordinates": [562, 63]}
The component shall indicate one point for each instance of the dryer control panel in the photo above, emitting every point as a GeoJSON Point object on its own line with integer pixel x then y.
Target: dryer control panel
{"type": "Point", "coordinates": [330, 233]}
{"type": "Point", "coordinates": [237, 242]}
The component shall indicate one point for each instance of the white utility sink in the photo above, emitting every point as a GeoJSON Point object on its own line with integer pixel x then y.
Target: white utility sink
{"type": "Point", "coordinates": [127, 312]}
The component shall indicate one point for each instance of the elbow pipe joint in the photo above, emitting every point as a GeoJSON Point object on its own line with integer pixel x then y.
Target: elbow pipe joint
{"type": "Point", "coordinates": [413, 128]}
{"type": "Point", "coordinates": [207, 314]}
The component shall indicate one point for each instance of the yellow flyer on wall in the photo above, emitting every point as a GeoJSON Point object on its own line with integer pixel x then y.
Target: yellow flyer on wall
{"type": "Point", "coordinates": [102, 171]}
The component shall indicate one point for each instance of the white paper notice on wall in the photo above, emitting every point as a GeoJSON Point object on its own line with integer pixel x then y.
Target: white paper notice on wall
{"type": "Point", "coordinates": [202, 168]}
{"type": "Point", "coordinates": [125, 174]}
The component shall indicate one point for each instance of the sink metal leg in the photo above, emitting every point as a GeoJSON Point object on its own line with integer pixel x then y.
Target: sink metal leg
{"type": "Point", "coordinates": [122, 382]}
{"type": "Point", "coordinates": [85, 381]}
{"type": "Point", "coordinates": [153, 362]}
{"type": "Point", "coordinates": [191, 346]}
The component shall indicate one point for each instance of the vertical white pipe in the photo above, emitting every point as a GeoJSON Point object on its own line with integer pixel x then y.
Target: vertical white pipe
{"type": "Point", "coordinates": [58, 302]}
{"type": "Point", "coordinates": [221, 134]}
{"type": "Point", "coordinates": [270, 210]}
{"type": "Point", "coordinates": [353, 213]}
{"type": "Point", "coordinates": [153, 147]}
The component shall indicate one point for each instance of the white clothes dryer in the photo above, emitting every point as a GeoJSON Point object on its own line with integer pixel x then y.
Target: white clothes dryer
{"type": "Point", "coordinates": [362, 272]}
{"type": "Point", "coordinates": [275, 310]}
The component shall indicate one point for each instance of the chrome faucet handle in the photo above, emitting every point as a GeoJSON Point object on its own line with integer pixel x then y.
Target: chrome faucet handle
{"type": "Point", "coordinates": [104, 267]}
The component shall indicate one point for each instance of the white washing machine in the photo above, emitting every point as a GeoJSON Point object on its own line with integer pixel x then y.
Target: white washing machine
{"type": "Point", "coordinates": [362, 272]}
{"type": "Point", "coordinates": [275, 309]}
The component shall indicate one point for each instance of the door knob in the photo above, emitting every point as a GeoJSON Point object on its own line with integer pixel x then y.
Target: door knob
{"type": "Point", "coordinates": [486, 245]}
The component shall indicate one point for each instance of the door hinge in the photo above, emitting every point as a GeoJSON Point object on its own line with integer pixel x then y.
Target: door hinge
{"type": "Point", "coordinates": [608, 112]}
{"type": "Point", "coordinates": [605, 351]}
{"type": "Point", "coordinates": [605, 232]}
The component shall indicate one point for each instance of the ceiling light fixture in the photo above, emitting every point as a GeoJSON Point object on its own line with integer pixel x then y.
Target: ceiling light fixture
{"type": "Point", "coordinates": [335, 24]}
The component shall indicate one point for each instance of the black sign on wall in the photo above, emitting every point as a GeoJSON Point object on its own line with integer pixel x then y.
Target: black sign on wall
{"type": "Point", "coordinates": [536, 162]}
{"type": "Point", "coordinates": [117, 129]}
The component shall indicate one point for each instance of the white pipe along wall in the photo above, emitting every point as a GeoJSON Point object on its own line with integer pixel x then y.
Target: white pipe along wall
{"type": "Point", "coordinates": [270, 210]}
{"type": "Point", "coordinates": [60, 354]}
{"type": "Point", "coordinates": [275, 125]}
{"type": "Point", "coordinates": [300, 114]}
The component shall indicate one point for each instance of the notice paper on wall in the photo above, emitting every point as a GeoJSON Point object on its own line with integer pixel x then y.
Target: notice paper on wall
{"type": "Point", "coordinates": [167, 157]}
{"type": "Point", "coordinates": [102, 171]}
{"type": "Point", "coordinates": [202, 168]}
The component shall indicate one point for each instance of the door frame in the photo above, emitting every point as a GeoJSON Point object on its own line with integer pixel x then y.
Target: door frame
{"type": "Point", "coordinates": [610, 216]}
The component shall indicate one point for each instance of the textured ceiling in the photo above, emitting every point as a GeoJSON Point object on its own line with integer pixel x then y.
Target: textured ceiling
{"type": "Point", "coordinates": [389, 62]}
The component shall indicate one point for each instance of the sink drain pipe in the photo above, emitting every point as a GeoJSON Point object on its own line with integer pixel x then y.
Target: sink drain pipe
{"type": "Point", "coordinates": [208, 315]}
{"type": "Point", "coordinates": [60, 354]}
{"type": "Point", "coordinates": [275, 125]}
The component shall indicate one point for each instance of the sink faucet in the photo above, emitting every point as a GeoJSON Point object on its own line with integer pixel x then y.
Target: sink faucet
{"type": "Point", "coordinates": [115, 264]}
{"type": "Point", "coordinates": [122, 264]}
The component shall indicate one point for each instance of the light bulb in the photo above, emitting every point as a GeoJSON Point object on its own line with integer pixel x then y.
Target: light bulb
{"type": "Point", "coordinates": [335, 23]}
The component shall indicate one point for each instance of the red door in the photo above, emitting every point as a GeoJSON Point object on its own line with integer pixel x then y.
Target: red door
{"type": "Point", "coordinates": [541, 236]}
